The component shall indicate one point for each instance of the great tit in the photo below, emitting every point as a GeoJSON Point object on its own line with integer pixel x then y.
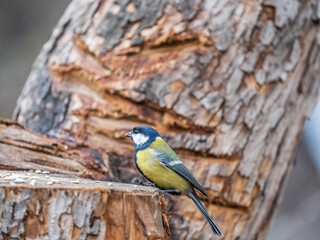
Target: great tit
{"type": "Point", "coordinates": [158, 163]}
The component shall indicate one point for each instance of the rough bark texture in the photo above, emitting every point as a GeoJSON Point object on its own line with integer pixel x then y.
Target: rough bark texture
{"type": "Point", "coordinates": [23, 149]}
{"type": "Point", "coordinates": [39, 206]}
{"type": "Point", "coordinates": [229, 85]}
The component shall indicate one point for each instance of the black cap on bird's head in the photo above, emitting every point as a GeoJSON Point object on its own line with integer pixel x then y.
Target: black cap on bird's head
{"type": "Point", "coordinates": [142, 135]}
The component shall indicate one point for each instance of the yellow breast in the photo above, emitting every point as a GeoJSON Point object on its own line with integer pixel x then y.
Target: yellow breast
{"type": "Point", "coordinates": [158, 173]}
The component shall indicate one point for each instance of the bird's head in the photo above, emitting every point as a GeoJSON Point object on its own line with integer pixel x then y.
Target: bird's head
{"type": "Point", "coordinates": [142, 136]}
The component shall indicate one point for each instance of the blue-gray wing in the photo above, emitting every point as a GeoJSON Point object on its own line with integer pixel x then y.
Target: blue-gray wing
{"type": "Point", "coordinates": [168, 157]}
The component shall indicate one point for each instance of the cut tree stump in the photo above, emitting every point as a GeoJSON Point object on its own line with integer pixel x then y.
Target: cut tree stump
{"type": "Point", "coordinates": [38, 205]}
{"type": "Point", "coordinates": [227, 83]}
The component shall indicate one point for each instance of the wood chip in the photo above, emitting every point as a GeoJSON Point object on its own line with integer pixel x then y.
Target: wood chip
{"type": "Point", "coordinates": [33, 182]}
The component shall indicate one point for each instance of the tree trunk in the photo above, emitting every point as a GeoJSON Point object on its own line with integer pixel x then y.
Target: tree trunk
{"type": "Point", "coordinates": [228, 85]}
{"type": "Point", "coordinates": [38, 206]}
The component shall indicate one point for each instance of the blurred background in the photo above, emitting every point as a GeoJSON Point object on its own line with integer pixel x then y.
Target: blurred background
{"type": "Point", "coordinates": [26, 25]}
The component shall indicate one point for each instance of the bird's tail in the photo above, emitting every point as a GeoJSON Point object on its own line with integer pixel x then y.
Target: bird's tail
{"type": "Point", "coordinates": [204, 212]}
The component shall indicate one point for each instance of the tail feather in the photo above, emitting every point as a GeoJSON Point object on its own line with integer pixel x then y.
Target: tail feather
{"type": "Point", "coordinates": [204, 212]}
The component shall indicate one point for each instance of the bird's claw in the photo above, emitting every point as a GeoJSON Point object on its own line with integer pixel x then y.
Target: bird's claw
{"type": "Point", "coordinates": [149, 184]}
{"type": "Point", "coordinates": [140, 182]}
{"type": "Point", "coordinates": [137, 181]}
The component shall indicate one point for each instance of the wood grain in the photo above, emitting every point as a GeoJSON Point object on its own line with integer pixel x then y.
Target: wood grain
{"type": "Point", "coordinates": [38, 205]}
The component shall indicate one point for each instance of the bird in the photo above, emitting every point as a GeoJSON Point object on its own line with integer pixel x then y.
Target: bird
{"type": "Point", "coordinates": [159, 164]}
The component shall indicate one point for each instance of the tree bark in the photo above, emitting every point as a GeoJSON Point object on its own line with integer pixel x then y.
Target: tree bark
{"type": "Point", "coordinates": [22, 149]}
{"type": "Point", "coordinates": [39, 206]}
{"type": "Point", "coordinates": [228, 85]}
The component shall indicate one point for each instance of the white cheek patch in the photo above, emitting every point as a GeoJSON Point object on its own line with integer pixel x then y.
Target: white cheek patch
{"type": "Point", "coordinates": [139, 139]}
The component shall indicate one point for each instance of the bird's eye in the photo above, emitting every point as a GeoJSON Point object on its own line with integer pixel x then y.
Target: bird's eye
{"type": "Point", "coordinates": [135, 131]}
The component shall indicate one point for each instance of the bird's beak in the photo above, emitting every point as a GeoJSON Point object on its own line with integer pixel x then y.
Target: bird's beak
{"type": "Point", "coordinates": [128, 134]}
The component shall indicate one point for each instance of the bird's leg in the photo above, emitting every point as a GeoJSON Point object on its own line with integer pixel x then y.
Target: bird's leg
{"type": "Point", "coordinates": [171, 191]}
{"type": "Point", "coordinates": [140, 182]}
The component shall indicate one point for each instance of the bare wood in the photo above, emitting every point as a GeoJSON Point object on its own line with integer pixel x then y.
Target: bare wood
{"type": "Point", "coordinates": [41, 206]}
{"type": "Point", "coordinates": [228, 84]}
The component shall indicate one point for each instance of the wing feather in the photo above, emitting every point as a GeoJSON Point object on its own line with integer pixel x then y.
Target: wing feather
{"type": "Point", "coordinates": [167, 156]}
